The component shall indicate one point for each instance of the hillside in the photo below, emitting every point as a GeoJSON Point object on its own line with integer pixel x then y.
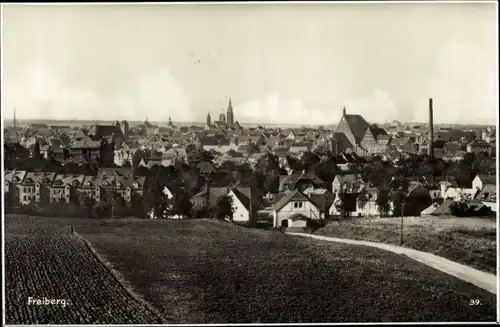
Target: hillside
{"type": "Point", "coordinates": [199, 271]}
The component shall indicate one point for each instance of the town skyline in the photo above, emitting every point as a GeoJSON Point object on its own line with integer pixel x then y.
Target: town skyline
{"type": "Point", "coordinates": [64, 65]}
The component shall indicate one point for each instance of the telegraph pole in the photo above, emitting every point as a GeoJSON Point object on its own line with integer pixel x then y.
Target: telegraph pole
{"type": "Point", "coordinates": [402, 199]}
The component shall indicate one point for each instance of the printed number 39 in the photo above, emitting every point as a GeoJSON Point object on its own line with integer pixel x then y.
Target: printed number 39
{"type": "Point", "coordinates": [474, 302]}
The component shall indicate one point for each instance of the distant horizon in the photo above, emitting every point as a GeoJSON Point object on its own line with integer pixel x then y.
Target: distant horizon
{"type": "Point", "coordinates": [187, 123]}
{"type": "Point", "coordinates": [284, 63]}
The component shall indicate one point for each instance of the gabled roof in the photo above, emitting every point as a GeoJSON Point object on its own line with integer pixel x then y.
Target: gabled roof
{"type": "Point", "coordinates": [479, 143]}
{"type": "Point", "coordinates": [85, 143]}
{"type": "Point", "coordinates": [487, 194]}
{"type": "Point", "coordinates": [322, 201]}
{"type": "Point", "coordinates": [295, 177]}
{"type": "Point", "coordinates": [244, 194]}
{"type": "Point", "coordinates": [15, 176]}
{"type": "Point", "coordinates": [206, 167]}
{"type": "Point", "coordinates": [69, 179]}
{"type": "Point", "coordinates": [295, 195]}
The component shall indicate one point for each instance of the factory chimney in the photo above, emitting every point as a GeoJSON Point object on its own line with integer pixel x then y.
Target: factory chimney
{"type": "Point", "coordinates": [431, 131]}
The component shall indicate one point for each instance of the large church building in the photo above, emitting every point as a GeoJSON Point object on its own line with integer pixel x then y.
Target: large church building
{"type": "Point", "coordinates": [226, 121]}
{"type": "Point", "coordinates": [354, 134]}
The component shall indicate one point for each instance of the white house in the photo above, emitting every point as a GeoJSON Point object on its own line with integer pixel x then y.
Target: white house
{"type": "Point", "coordinates": [243, 204]}
{"type": "Point", "coordinates": [481, 180]}
{"type": "Point", "coordinates": [294, 210]}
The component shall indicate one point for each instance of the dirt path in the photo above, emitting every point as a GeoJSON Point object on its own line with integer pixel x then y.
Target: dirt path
{"type": "Point", "coordinates": [476, 277]}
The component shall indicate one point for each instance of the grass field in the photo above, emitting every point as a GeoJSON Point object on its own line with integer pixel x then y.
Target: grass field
{"type": "Point", "coordinates": [198, 271]}
{"type": "Point", "coordinates": [471, 241]}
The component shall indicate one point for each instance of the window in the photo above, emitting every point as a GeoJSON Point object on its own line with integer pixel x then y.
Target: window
{"type": "Point", "coordinates": [297, 204]}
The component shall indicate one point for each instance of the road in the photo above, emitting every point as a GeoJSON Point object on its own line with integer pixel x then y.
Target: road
{"type": "Point", "coordinates": [476, 277]}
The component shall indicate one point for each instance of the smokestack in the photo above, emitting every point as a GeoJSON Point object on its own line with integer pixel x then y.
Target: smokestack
{"type": "Point", "coordinates": [431, 128]}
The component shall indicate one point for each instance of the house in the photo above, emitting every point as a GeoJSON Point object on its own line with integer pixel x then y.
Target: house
{"type": "Point", "coordinates": [322, 198]}
{"type": "Point", "coordinates": [301, 180]}
{"type": "Point", "coordinates": [436, 209]}
{"type": "Point", "coordinates": [64, 186]}
{"type": "Point", "coordinates": [299, 148]}
{"type": "Point", "coordinates": [488, 196]}
{"type": "Point", "coordinates": [35, 187]}
{"type": "Point", "coordinates": [207, 199]}
{"type": "Point", "coordinates": [98, 132]}
{"type": "Point", "coordinates": [85, 150]}
{"type": "Point", "coordinates": [173, 156]}
{"type": "Point", "coordinates": [124, 155]}
{"type": "Point", "coordinates": [55, 149]}
{"type": "Point", "coordinates": [482, 180]}
{"type": "Point", "coordinates": [487, 191]}
{"type": "Point", "coordinates": [206, 168]}
{"type": "Point", "coordinates": [350, 182]}
{"type": "Point", "coordinates": [295, 210]}
{"type": "Point", "coordinates": [12, 182]}
{"type": "Point", "coordinates": [121, 182]}
{"type": "Point", "coordinates": [479, 146]}
{"type": "Point", "coordinates": [244, 205]}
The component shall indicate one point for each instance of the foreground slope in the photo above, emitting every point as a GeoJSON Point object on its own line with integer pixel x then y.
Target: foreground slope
{"type": "Point", "coordinates": [197, 271]}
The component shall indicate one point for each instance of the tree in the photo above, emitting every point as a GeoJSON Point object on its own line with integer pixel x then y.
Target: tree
{"type": "Point", "coordinates": [224, 208]}
{"type": "Point", "coordinates": [362, 198]}
{"type": "Point", "coordinates": [383, 202]}
{"type": "Point", "coordinates": [309, 159]}
{"type": "Point", "coordinates": [234, 154]}
{"type": "Point", "coordinates": [86, 203]}
{"type": "Point", "coordinates": [341, 204]}
{"type": "Point", "coordinates": [126, 164]}
{"type": "Point", "coordinates": [36, 150]}
{"type": "Point", "coordinates": [100, 209]}
{"type": "Point", "coordinates": [182, 205]}
{"type": "Point", "coordinates": [155, 200]}
{"type": "Point", "coordinates": [252, 148]}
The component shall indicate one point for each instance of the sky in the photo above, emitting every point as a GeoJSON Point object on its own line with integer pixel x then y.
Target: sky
{"type": "Point", "coordinates": [279, 63]}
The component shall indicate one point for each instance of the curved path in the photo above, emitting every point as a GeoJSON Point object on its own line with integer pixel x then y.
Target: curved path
{"type": "Point", "coordinates": [476, 277]}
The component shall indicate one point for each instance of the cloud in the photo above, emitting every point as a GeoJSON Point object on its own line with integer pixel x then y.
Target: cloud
{"type": "Point", "coordinates": [274, 109]}
{"type": "Point", "coordinates": [463, 84]}
{"type": "Point", "coordinates": [39, 92]}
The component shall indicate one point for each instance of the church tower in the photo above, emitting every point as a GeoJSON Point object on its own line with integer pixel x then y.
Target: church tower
{"type": "Point", "coordinates": [209, 120]}
{"type": "Point", "coordinates": [230, 114]}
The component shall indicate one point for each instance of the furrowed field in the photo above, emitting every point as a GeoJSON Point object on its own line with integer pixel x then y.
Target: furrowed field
{"type": "Point", "coordinates": [44, 261]}
{"type": "Point", "coordinates": [199, 271]}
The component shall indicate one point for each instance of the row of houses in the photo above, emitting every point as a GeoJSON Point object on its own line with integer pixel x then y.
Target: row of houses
{"type": "Point", "coordinates": [31, 187]}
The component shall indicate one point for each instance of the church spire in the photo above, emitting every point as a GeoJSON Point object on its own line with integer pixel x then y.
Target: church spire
{"type": "Point", "coordinates": [343, 111]}
{"type": "Point", "coordinates": [209, 119]}
{"type": "Point", "coordinates": [230, 115]}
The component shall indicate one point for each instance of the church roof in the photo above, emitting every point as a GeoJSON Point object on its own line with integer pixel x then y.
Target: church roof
{"type": "Point", "coordinates": [358, 126]}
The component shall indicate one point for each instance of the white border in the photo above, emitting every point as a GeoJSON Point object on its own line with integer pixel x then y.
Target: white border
{"type": "Point", "coordinates": [246, 3]}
